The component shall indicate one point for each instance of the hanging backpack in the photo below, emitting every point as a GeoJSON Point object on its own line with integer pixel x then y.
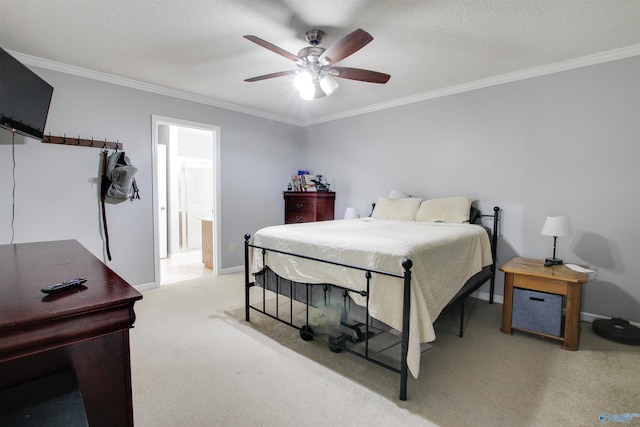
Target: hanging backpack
{"type": "Point", "coordinates": [118, 182]}
{"type": "Point", "coordinates": [120, 173]}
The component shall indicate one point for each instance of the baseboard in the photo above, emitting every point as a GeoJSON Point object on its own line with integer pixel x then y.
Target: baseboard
{"type": "Point", "coordinates": [584, 316]}
{"type": "Point", "coordinates": [232, 270]}
{"type": "Point", "coordinates": [485, 296]}
{"type": "Point", "coordinates": [146, 286]}
{"type": "Point", "coordinates": [590, 317]}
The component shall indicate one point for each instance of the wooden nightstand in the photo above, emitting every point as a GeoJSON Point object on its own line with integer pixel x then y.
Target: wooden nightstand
{"type": "Point", "coordinates": [531, 274]}
{"type": "Point", "coordinates": [309, 206]}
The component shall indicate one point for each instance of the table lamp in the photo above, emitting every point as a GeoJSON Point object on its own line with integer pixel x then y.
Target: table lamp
{"type": "Point", "coordinates": [556, 226]}
{"type": "Point", "coordinates": [351, 213]}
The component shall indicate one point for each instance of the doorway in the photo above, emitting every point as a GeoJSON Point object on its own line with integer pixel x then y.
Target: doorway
{"type": "Point", "coordinates": [186, 189]}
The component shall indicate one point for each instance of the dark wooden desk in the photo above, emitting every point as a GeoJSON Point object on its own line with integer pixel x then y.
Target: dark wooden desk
{"type": "Point", "coordinates": [85, 330]}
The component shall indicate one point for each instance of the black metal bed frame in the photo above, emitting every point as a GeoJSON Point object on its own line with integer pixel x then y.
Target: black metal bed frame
{"type": "Point", "coordinates": [306, 331]}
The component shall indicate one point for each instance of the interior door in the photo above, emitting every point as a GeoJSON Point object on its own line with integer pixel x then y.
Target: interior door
{"type": "Point", "coordinates": [163, 224]}
{"type": "Point", "coordinates": [197, 201]}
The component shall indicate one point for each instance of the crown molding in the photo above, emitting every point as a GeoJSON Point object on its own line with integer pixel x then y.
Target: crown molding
{"type": "Point", "coordinates": [147, 87]}
{"type": "Point", "coordinates": [585, 61]}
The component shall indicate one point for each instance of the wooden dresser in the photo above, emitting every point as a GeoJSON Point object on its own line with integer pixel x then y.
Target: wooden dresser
{"type": "Point", "coordinates": [81, 333]}
{"type": "Point", "coordinates": [308, 206]}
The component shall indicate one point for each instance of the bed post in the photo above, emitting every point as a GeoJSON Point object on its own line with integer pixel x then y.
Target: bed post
{"type": "Point", "coordinates": [246, 276]}
{"type": "Point", "coordinates": [406, 307]}
{"type": "Point", "coordinates": [494, 247]}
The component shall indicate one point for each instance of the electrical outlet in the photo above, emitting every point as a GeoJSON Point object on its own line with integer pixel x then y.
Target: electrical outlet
{"type": "Point", "coordinates": [232, 247]}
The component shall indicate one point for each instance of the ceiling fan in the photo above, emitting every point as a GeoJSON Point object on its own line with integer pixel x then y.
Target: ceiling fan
{"type": "Point", "coordinates": [316, 65]}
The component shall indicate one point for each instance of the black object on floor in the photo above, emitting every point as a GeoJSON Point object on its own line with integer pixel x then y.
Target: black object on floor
{"type": "Point", "coordinates": [617, 329]}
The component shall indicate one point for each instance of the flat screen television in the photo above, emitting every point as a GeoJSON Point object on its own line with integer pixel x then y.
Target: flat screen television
{"type": "Point", "coordinates": [24, 98]}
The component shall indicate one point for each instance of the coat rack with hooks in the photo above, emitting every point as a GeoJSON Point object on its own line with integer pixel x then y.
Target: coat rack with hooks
{"type": "Point", "coordinates": [64, 140]}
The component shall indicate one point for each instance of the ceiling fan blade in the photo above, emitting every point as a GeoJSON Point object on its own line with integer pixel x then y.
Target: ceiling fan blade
{"type": "Point", "coordinates": [359, 74]}
{"type": "Point", "coordinates": [272, 47]}
{"type": "Point", "coordinates": [271, 76]}
{"type": "Point", "coordinates": [348, 45]}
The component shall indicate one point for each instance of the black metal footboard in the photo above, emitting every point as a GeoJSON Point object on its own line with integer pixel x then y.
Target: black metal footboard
{"type": "Point", "coordinates": [309, 290]}
{"type": "Point", "coordinates": [306, 331]}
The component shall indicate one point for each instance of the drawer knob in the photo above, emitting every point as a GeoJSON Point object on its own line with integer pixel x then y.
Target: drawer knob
{"type": "Point", "coordinates": [299, 218]}
{"type": "Point", "coordinates": [299, 205]}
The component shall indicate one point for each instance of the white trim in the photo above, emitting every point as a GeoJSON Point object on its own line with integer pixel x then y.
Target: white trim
{"type": "Point", "coordinates": [147, 87]}
{"type": "Point", "coordinates": [557, 67]}
{"type": "Point", "coordinates": [232, 270]}
{"type": "Point", "coordinates": [584, 317]}
{"type": "Point", "coordinates": [590, 317]}
{"type": "Point", "coordinates": [497, 299]}
{"type": "Point", "coordinates": [155, 121]}
{"type": "Point", "coordinates": [154, 202]}
{"type": "Point", "coordinates": [485, 297]}
{"type": "Point", "coordinates": [146, 287]}
{"type": "Point", "coordinates": [597, 58]}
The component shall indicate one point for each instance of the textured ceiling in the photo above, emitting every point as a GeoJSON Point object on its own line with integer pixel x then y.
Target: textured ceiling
{"type": "Point", "coordinates": [196, 46]}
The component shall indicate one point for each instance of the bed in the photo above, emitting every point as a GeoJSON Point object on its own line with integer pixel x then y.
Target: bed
{"type": "Point", "coordinates": [397, 270]}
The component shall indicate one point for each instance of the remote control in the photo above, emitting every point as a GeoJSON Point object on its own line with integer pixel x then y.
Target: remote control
{"type": "Point", "coordinates": [69, 284]}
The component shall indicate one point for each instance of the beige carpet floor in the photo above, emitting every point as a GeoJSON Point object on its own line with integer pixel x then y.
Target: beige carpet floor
{"type": "Point", "coordinates": [196, 362]}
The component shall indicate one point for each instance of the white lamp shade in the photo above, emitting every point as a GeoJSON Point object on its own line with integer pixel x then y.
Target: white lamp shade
{"type": "Point", "coordinates": [351, 213]}
{"type": "Point", "coordinates": [557, 226]}
{"type": "Point", "coordinates": [308, 92]}
{"type": "Point", "coordinates": [303, 80]}
{"type": "Point", "coordinates": [328, 85]}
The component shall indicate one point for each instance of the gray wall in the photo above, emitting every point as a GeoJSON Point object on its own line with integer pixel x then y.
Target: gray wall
{"type": "Point", "coordinates": [561, 144]}
{"type": "Point", "coordinates": [57, 191]}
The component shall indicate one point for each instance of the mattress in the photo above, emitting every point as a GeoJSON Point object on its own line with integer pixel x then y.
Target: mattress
{"type": "Point", "coordinates": [444, 257]}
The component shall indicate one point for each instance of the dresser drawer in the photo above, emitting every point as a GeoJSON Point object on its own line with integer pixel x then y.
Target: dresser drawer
{"type": "Point", "coordinates": [300, 204]}
{"type": "Point", "coordinates": [308, 206]}
{"type": "Point", "coordinates": [293, 217]}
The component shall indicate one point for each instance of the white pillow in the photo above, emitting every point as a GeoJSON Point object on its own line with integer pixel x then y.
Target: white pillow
{"type": "Point", "coordinates": [447, 209]}
{"type": "Point", "coordinates": [397, 194]}
{"type": "Point", "coordinates": [400, 209]}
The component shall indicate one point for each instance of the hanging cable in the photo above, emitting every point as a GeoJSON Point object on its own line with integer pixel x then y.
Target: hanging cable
{"type": "Point", "coordinates": [13, 178]}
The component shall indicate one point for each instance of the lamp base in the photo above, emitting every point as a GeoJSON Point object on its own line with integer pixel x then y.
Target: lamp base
{"type": "Point", "coordinates": [548, 262]}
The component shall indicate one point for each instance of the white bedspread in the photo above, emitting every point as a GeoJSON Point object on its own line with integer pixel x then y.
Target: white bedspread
{"type": "Point", "coordinates": [444, 257]}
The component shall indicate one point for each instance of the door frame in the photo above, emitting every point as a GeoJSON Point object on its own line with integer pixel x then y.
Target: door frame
{"type": "Point", "coordinates": [156, 121]}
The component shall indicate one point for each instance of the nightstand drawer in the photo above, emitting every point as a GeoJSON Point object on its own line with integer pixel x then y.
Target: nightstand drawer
{"type": "Point", "coordinates": [540, 284]}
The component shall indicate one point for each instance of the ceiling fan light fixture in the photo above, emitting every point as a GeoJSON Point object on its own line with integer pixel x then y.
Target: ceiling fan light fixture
{"type": "Point", "coordinates": [308, 92]}
{"type": "Point", "coordinates": [328, 85]}
{"type": "Point", "coordinates": [311, 54]}
{"type": "Point", "coordinates": [316, 65]}
{"type": "Point", "coordinates": [303, 79]}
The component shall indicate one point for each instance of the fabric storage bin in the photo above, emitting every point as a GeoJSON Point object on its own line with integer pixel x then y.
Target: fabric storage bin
{"type": "Point", "coordinates": [537, 311]}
